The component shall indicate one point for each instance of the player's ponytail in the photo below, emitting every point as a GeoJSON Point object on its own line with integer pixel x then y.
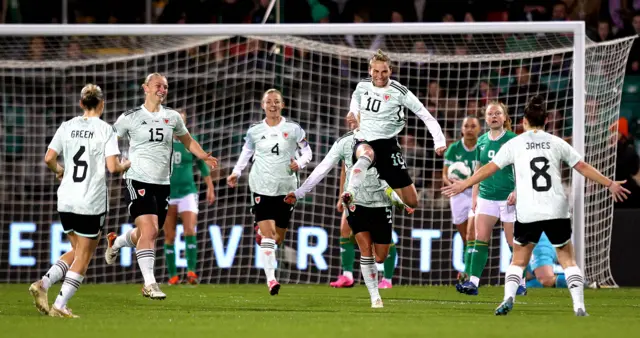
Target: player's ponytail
{"type": "Point", "coordinates": [91, 96]}
{"type": "Point", "coordinates": [536, 111]}
{"type": "Point", "coordinates": [381, 57]}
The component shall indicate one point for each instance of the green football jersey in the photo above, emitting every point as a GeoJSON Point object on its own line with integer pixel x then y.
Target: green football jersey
{"type": "Point", "coordinates": [182, 180]}
{"type": "Point", "coordinates": [501, 184]}
{"type": "Point", "coordinates": [457, 152]}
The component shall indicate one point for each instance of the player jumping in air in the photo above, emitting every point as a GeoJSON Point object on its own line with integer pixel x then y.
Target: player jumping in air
{"type": "Point", "coordinates": [150, 129]}
{"type": "Point", "coordinates": [370, 216]}
{"type": "Point", "coordinates": [87, 143]}
{"type": "Point", "coordinates": [378, 104]}
{"type": "Point", "coordinates": [493, 199]}
{"type": "Point", "coordinates": [183, 201]}
{"type": "Point", "coordinates": [273, 144]}
{"type": "Point", "coordinates": [541, 203]}
{"type": "Point", "coordinates": [463, 150]}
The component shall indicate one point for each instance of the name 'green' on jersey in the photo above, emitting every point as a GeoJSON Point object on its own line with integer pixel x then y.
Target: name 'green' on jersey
{"type": "Point", "coordinates": [274, 148]}
{"type": "Point", "coordinates": [371, 193]}
{"type": "Point", "coordinates": [182, 178]}
{"type": "Point", "coordinates": [150, 142]}
{"type": "Point", "coordinates": [501, 184]}
{"type": "Point", "coordinates": [382, 114]}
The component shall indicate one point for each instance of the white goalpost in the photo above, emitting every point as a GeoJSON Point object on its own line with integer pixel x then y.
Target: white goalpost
{"type": "Point", "coordinates": [217, 73]}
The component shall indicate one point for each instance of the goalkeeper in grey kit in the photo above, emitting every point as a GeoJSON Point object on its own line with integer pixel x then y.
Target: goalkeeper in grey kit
{"type": "Point", "coordinates": [273, 143]}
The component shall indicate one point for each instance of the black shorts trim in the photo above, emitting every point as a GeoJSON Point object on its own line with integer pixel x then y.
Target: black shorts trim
{"type": "Point", "coordinates": [147, 199]}
{"type": "Point", "coordinates": [273, 208]}
{"type": "Point", "coordinates": [378, 222]}
{"type": "Point", "coordinates": [89, 226]}
{"type": "Point", "coordinates": [388, 160]}
{"type": "Point", "coordinates": [557, 230]}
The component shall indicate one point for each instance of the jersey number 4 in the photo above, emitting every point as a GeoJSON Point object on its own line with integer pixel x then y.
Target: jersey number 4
{"type": "Point", "coordinates": [275, 150]}
{"type": "Point", "coordinates": [78, 165]}
{"type": "Point", "coordinates": [540, 172]}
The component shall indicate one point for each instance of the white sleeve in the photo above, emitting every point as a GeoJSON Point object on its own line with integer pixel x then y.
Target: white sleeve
{"type": "Point", "coordinates": [180, 129]}
{"type": "Point", "coordinates": [122, 126]}
{"type": "Point", "coordinates": [247, 151]}
{"type": "Point", "coordinates": [354, 106]}
{"type": "Point", "coordinates": [505, 155]}
{"type": "Point", "coordinates": [439, 140]}
{"type": "Point", "coordinates": [569, 155]}
{"type": "Point", "coordinates": [56, 142]}
{"type": "Point", "coordinates": [307, 155]}
{"type": "Point", "coordinates": [111, 148]}
{"type": "Point", "coordinates": [320, 172]}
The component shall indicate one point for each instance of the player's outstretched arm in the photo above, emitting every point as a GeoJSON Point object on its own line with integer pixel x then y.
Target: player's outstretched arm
{"type": "Point", "coordinates": [316, 176]}
{"type": "Point", "coordinates": [353, 117]}
{"type": "Point", "coordinates": [618, 192]}
{"type": "Point", "coordinates": [480, 175]}
{"type": "Point", "coordinates": [205, 172]}
{"type": "Point", "coordinates": [343, 178]}
{"type": "Point", "coordinates": [194, 147]}
{"type": "Point", "coordinates": [245, 156]}
{"type": "Point", "coordinates": [414, 104]}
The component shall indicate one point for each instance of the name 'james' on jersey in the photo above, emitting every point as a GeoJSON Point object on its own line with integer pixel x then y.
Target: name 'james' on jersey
{"type": "Point", "coordinates": [150, 142]}
{"type": "Point", "coordinates": [273, 147]}
{"type": "Point", "coordinates": [85, 143]}
{"type": "Point", "coordinates": [371, 193]}
{"type": "Point", "coordinates": [382, 113]}
{"type": "Point", "coordinates": [537, 157]}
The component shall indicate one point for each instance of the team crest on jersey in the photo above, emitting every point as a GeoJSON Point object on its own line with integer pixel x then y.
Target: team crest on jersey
{"type": "Point", "coordinates": [141, 192]}
{"type": "Point", "coordinates": [352, 207]}
{"type": "Point", "coordinates": [166, 121]}
{"type": "Point", "coordinates": [285, 135]}
{"type": "Point", "coordinates": [257, 199]}
{"type": "Point", "coordinates": [387, 97]}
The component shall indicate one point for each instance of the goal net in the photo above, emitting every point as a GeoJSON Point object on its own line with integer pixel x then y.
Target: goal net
{"type": "Point", "coordinates": [219, 80]}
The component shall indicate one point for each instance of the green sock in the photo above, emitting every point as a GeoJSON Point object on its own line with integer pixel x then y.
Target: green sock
{"type": "Point", "coordinates": [347, 254]}
{"type": "Point", "coordinates": [170, 259]}
{"type": "Point", "coordinates": [479, 258]}
{"type": "Point", "coordinates": [390, 262]}
{"type": "Point", "coordinates": [192, 253]}
{"type": "Point", "coordinates": [468, 251]}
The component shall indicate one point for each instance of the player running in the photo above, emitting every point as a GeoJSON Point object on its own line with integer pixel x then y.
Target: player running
{"type": "Point", "coordinates": [150, 129]}
{"type": "Point", "coordinates": [541, 204]}
{"type": "Point", "coordinates": [183, 201]}
{"type": "Point", "coordinates": [370, 217]}
{"type": "Point", "coordinates": [273, 144]}
{"type": "Point", "coordinates": [493, 199]}
{"type": "Point", "coordinates": [463, 150]}
{"type": "Point", "coordinates": [87, 143]}
{"type": "Point", "coordinates": [378, 104]}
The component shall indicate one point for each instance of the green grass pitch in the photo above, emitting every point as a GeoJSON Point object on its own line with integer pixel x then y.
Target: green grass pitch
{"type": "Point", "coordinates": [119, 311]}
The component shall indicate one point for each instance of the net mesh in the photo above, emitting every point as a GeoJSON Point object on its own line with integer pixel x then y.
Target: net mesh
{"type": "Point", "coordinates": [219, 81]}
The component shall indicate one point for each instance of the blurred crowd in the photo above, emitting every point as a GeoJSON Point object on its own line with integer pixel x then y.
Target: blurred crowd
{"type": "Point", "coordinates": [450, 92]}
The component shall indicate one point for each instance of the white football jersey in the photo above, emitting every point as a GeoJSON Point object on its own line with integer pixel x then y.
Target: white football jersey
{"type": "Point", "coordinates": [84, 143]}
{"type": "Point", "coordinates": [150, 142]}
{"type": "Point", "coordinates": [536, 157]}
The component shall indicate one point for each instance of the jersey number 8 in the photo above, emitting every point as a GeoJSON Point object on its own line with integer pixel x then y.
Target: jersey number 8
{"type": "Point", "coordinates": [540, 172]}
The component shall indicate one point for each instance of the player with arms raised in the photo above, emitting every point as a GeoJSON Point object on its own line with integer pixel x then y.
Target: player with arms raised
{"type": "Point", "coordinates": [541, 203]}
{"type": "Point", "coordinates": [378, 105]}
{"type": "Point", "coordinates": [370, 217]}
{"type": "Point", "coordinates": [463, 150]}
{"type": "Point", "coordinates": [183, 201]}
{"type": "Point", "coordinates": [150, 129]}
{"type": "Point", "coordinates": [273, 143]}
{"type": "Point", "coordinates": [87, 143]}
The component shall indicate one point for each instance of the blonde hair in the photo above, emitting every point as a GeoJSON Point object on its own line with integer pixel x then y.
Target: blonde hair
{"type": "Point", "coordinates": [381, 57]}
{"type": "Point", "coordinates": [90, 96]}
{"type": "Point", "coordinates": [151, 76]}
{"type": "Point", "coordinates": [505, 112]}
{"type": "Point", "coordinates": [271, 91]}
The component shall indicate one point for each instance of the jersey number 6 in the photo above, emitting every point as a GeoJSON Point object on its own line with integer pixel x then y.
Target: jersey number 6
{"type": "Point", "coordinates": [77, 163]}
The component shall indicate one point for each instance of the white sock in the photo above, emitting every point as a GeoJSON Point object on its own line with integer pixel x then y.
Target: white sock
{"type": "Point", "coordinates": [358, 173]}
{"type": "Point", "coordinates": [348, 274]}
{"type": "Point", "coordinates": [512, 281]}
{"type": "Point", "coordinates": [71, 284]}
{"type": "Point", "coordinates": [575, 283]}
{"type": "Point", "coordinates": [268, 255]}
{"type": "Point", "coordinates": [124, 240]}
{"type": "Point", "coordinates": [55, 273]}
{"type": "Point", "coordinates": [370, 275]}
{"type": "Point", "coordinates": [475, 280]}
{"type": "Point", "coordinates": [146, 262]}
